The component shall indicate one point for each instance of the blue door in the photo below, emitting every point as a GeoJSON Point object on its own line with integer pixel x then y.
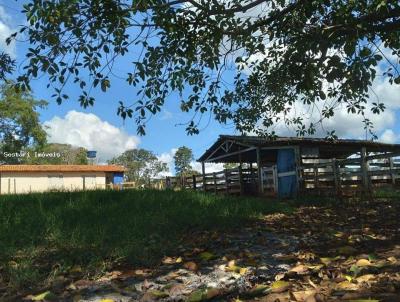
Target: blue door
{"type": "Point", "coordinates": [118, 179]}
{"type": "Point", "coordinates": [287, 174]}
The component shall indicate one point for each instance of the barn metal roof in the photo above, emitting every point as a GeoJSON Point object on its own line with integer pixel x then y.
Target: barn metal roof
{"type": "Point", "coordinates": [339, 148]}
{"type": "Point", "coordinates": [61, 168]}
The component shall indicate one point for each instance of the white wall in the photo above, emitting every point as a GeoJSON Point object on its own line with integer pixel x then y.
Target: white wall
{"type": "Point", "coordinates": [25, 182]}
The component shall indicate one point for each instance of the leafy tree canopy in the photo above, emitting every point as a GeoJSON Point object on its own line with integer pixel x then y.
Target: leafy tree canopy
{"type": "Point", "coordinates": [322, 53]}
{"type": "Point", "coordinates": [182, 159]}
{"type": "Point", "coordinates": [19, 122]}
{"type": "Point", "coordinates": [142, 165]}
{"type": "Point", "coordinates": [6, 65]}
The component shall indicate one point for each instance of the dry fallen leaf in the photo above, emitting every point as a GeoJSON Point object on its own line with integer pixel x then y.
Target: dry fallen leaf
{"type": "Point", "coordinates": [365, 278]}
{"type": "Point", "coordinates": [191, 266]}
{"type": "Point", "coordinates": [299, 269]}
{"type": "Point", "coordinates": [363, 262]}
{"type": "Point", "coordinates": [301, 296]}
{"type": "Point", "coordinates": [346, 285]}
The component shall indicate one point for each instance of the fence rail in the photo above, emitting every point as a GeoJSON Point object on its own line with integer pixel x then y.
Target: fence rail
{"type": "Point", "coordinates": [230, 181]}
{"type": "Point", "coordinates": [351, 176]}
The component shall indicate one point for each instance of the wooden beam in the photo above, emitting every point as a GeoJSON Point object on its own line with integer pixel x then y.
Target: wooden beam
{"type": "Point", "coordinates": [229, 154]}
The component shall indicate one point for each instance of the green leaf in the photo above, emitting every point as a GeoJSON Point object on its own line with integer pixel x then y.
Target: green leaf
{"type": "Point", "coordinates": [207, 256]}
{"type": "Point", "coordinates": [105, 83]}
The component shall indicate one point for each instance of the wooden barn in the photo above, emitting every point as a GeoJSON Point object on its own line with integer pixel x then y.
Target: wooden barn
{"type": "Point", "coordinates": [287, 166]}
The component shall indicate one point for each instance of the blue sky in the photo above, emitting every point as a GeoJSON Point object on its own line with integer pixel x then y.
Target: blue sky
{"type": "Point", "coordinates": [101, 129]}
{"type": "Point", "coordinates": [163, 132]}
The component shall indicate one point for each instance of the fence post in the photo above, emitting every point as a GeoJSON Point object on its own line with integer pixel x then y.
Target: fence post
{"type": "Point", "coordinates": [240, 170]}
{"type": "Point", "coordinates": [194, 182]}
{"type": "Point", "coordinates": [226, 181]}
{"type": "Point", "coordinates": [316, 182]}
{"type": "Point", "coordinates": [215, 182]}
{"type": "Point", "coordinates": [259, 172]}
{"type": "Point", "coordinates": [275, 179]}
{"type": "Point", "coordinates": [364, 170]}
{"type": "Point", "coordinates": [203, 171]}
{"type": "Point", "coordinates": [336, 176]}
{"type": "Point", "coordinates": [392, 176]}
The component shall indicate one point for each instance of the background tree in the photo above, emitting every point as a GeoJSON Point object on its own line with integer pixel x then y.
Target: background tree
{"type": "Point", "coordinates": [230, 165]}
{"type": "Point", "coordinates": [182, 160]}
{"type": "Point", "coordinates": [69, 155]}
{"type": "Point", "coordinates": [243, 61]}
{"type": "Point", "coordinates": [19, 122]}
{"type": "Point", "coordinates": [142, 165]}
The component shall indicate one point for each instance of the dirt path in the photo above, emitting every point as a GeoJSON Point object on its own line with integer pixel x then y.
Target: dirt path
{"type": "Point", "coordinates": [349, 252]}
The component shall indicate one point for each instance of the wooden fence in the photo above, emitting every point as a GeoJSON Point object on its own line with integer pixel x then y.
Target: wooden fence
{"type": "Point", "coordinates": [350, 176]}
{"type": "Point", "coordinates": [230, 181]}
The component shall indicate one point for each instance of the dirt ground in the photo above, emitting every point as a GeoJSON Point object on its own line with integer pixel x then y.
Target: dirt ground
{"type": "Point", "coordinates": [344, 252]}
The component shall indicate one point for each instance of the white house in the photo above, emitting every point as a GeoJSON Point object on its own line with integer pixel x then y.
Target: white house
{"type": "Point", "coordinates": [40, 178]}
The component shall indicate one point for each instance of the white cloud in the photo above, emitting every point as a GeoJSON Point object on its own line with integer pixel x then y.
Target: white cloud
{"type": "Point", "coordinates": [388, 136]}
{"type": "Point", "coordinates": [6, 30]}
{"type": "Point", "coordinates": [210, 167]}
{"type": "Point", "coordinates": [89, 131]}
{"type": "Point", "coordinates": [166, 115]}
{"type": "Point", "coordinates": [168, 158]}
{"type": "Point", "coordinates": [347, 125]}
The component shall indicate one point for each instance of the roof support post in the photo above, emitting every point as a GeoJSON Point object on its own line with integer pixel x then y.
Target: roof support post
{"type": "Point", "coordinates": [259, 172]}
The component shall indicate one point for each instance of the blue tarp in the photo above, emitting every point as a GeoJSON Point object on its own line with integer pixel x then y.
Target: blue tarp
{"type": "Point", "coordinates": [286, 162]}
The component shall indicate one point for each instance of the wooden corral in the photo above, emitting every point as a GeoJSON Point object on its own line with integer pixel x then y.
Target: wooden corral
{"type": "Point", "coordinates": [317, 166]}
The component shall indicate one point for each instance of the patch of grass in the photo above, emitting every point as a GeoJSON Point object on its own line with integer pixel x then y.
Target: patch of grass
{"type": "Point", "coordinates": [387, 193]}
{"type": "Point", "coordinates": [59, 231]}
